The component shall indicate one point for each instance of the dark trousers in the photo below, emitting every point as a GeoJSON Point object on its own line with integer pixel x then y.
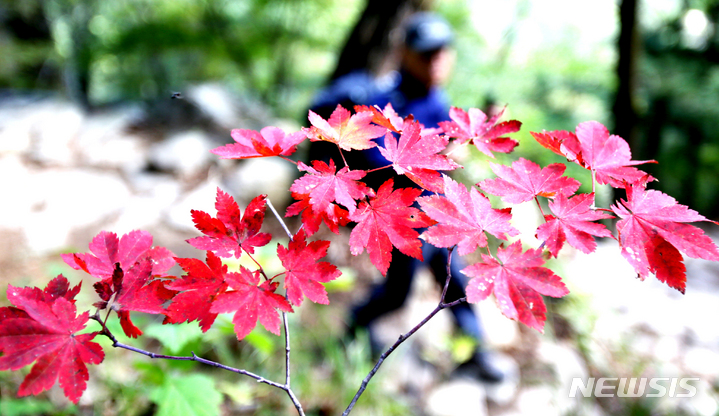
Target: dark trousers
{"type": "Point", "coordinates": [392, 293]}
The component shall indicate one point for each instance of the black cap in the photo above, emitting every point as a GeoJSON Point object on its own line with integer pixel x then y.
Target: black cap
{"type": "Point", "coordinates": [425, 32]}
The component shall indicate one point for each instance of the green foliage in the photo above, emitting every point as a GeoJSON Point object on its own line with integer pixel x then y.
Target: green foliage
{"type": "Point", "coordinates": [187, 395]}
{"type": "Point", "coordinates": [10, 406]}
{"type": "Point", "coordinates": [174, 338]}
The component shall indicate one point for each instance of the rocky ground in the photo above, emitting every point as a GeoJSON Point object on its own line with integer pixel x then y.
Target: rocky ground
{"type": "Point", "coordinates": [66, 174]}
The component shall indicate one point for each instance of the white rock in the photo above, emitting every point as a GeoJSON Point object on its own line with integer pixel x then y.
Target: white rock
{"type": "Point", "coordinates": [702, 362]}
{"type": "Point", "coordinates": [201, 198]}
{"type": "Point", "coordinates": [500, 331]}
{"type": "Point", "coordinates": [15, 125]}
{"type": "Point", "coordinates": [252, 177]}
{"type": "Point", "coordinates": [54, 128]}
{"type": "Point", "coordinates": [457, 398]}
{"type": "Point", "coordinates": [105, 143]}
{"type": "Point", "coordinates": [184, 153]}
{"type": "Point", "coordinates": [66, 200]}
{"type": "Point", "coordinates": [147, 210]}
{"type": "Point", "coordinates": [504, 392]}
{"type": "Point", "coordinates": [216, 103]}
{"type": "Point", "coordinates": [667, 349]}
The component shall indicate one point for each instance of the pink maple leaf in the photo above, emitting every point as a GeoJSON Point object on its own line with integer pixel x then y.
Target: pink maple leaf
{"type": "Point", "coordinates": [525, 180]}
{"type": "Point", "coordinates": [324, 185]}
{"type": "Point", "coordinates": [344, 129]}
{"type": "Point", "coordinates": [486, 135]}
{"type": "Point", "coordinates": [653, 230]}
{"type": "Point", "coordinates": [517, 280]}
{"type": "Point", "coordinates": [463, 217]}
{"type": "Point", "coordinates": [106, 250]}
{"type": "Point", "coordinates": [417, 156]}
{"type": "Point", "coordinates": [572, 222]}
{"type": "Point", "coordinates": [270, 141]}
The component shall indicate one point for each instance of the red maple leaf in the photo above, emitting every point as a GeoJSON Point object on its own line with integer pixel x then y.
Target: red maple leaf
{"type": "Point", "coordinates": [250, 302]}
{"type": "Point", "coordinates": [106, 250]}
{"type": "Point", "coordinates": [324, 185]}
{"type": "Point", "coordinates": [387, 118]}
{"type": "Point", "coordinates": [333, 215]}
{"type": "Point", "coordinates": [304, 274]}
{"type": "Point", "coordinates": [388, 220]}
{"type": "Point", "coordinates": [59, 287]}
{"type": "Point", "coordinates": [463, 217]}
{"type": "Point", "coordinates": [416, 156]}
{"type": "Point", "coordinates": [42, 327]}
{"type": "Point", "coordinates": [230, 233]}
{"type": "Point", "coordinates": [525, 180]}
{"type": "Point", "coordinates": [563, 143]}
{"type": "Point", "coordinates": [517, 280]}
{"type": "Point", "coordinates": [270, 141]}
{"type": "Point", "coordinates": [572, 222]}
{"type": "Point", "coordinates": [608, 155]}
{"type": "Point", "coordinates": [486, 134]}
{"type": "Point", "coordinates": [652, 231]}
{"type": "Point", "coordinates": [198, 289]}
{"type": "Point", "coordinates": [133, 290]}
{"type": "Point", "coordinates": [593, 148]}
{"type": "Point", "coordinates": [344, 129]}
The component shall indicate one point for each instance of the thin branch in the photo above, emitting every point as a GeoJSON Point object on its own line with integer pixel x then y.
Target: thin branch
{"type": "Point", "coordinates": [449, 273]}
{"type": "Point", "coordinates": [402, 338]}
{"type": "Point", "coordinates": [287, 388]}
{"type": "Point", "coordinates": [289, 391]}
{"type": "Point", "coordinates": [117, 344]}
{"type": "Point", "coordinates": [277, 215]}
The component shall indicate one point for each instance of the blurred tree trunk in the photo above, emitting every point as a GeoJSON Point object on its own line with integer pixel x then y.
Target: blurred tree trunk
{"type": "Point", "coordinates": [624, 108]}
{"type": "Point", "coordinates": [369, 45]}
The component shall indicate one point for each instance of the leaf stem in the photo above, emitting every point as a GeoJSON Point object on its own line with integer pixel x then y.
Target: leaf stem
{"type": "Point", "coordinates": [376, 169]}
{"type": "Point", "coordinates": [262, 271]}
{"type": "Point", "coordinates": [287, 159]}
{"type": "Point", "coordinates": [343, 157]}
{"type": "Point", "coordinates": [594, 193]}
{"type": "Point", "coordinates": [540, 208]}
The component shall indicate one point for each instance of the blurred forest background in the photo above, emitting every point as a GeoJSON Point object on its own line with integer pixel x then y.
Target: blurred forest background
{"type": "Point", "coordinates": [648, 70]}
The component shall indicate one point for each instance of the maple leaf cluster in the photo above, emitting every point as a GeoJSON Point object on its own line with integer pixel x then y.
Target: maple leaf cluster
{"type": "Point", "coordinates": [131, 275]}
{"type": "Point", "coordinates": [651, 231]}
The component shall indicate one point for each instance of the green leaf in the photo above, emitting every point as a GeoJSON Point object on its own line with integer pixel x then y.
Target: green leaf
{"type": "Point", "coordinates": [187, 395]}
{"type": "Point", "coordinates": [263, 341]}
{"type": "Point", "coordinates": [174, 337]}
{"type": "Point", "coordinates": [27, 406]}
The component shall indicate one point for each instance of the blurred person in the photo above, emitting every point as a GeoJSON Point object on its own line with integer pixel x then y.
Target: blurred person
{"type": "Point", "coordinates": [426, 63]}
